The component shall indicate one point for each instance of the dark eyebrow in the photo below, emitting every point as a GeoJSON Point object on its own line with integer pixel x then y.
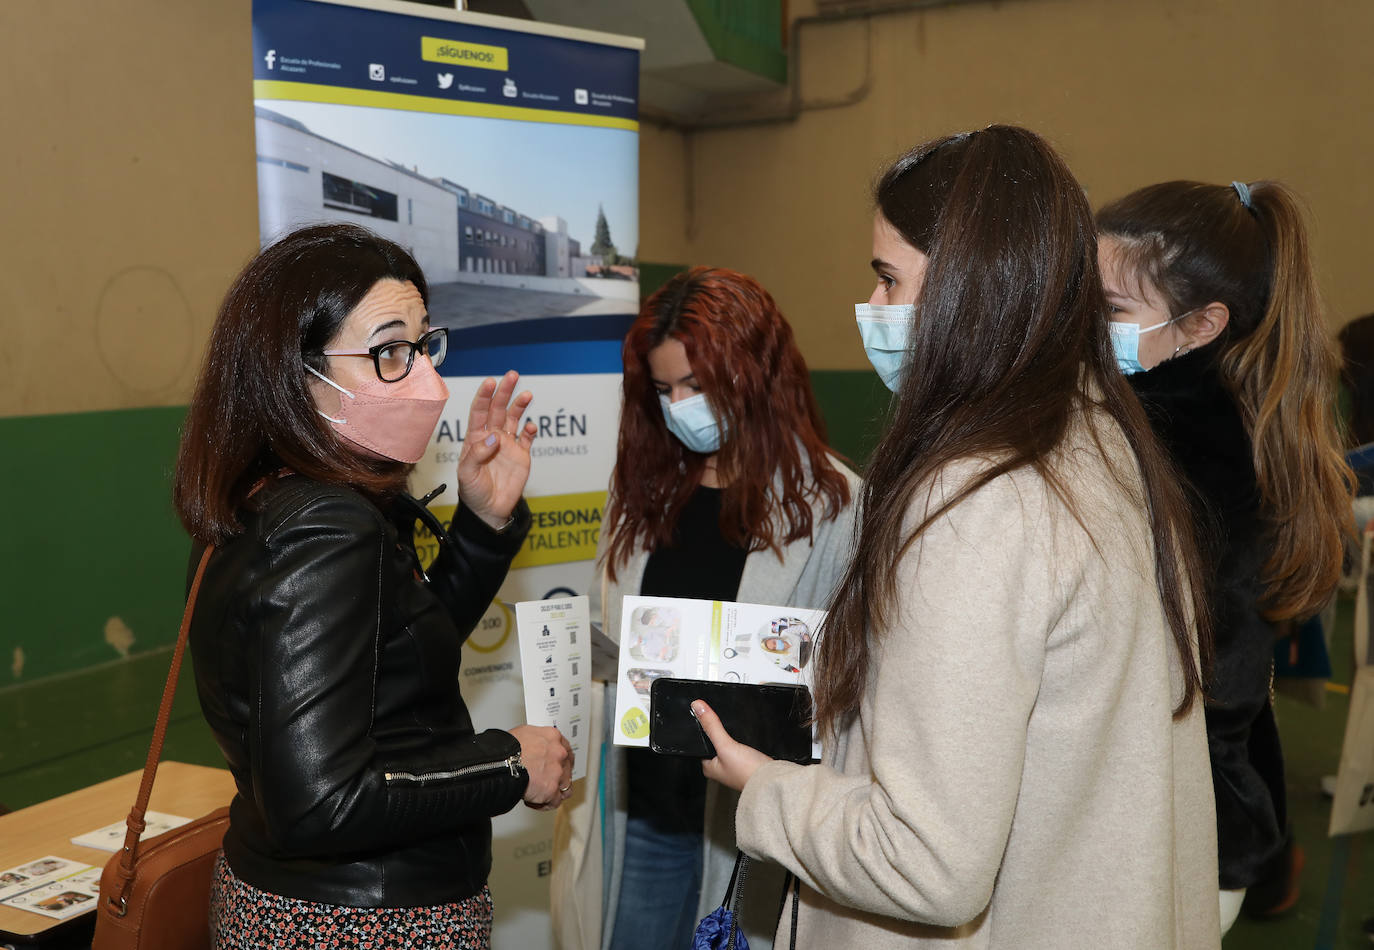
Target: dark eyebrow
{"type": "Point", "coordinates": [879, 265]}
{"type": "Point", "coordinates": [387, 326]}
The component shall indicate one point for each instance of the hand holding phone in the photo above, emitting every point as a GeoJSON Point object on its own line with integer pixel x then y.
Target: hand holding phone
{"type": "Point", "coordinates": [772, 718]}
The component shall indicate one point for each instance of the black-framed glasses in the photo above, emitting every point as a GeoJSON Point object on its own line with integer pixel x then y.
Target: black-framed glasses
{"type": "Point", "coordinates": [395, 359]}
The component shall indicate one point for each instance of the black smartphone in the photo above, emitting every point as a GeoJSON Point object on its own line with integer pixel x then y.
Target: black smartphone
{"type": "Point", "coordinates": [773, 718]}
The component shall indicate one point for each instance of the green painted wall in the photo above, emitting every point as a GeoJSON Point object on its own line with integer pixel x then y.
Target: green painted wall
{"type": "Point", "coordinates": [90, 535]}
{"type": "Point", "coordinates": [746, 34]}
{"type": "Point", "coordinates": [91, 547]}
{"type": "Point", "coordinates": [92, 553]}
{"type": "Point", "coordinates": [854, 403]}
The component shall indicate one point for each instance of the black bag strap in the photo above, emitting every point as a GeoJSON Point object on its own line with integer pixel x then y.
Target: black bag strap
{"type": "Point", "coordinates": [734, 895]}
{"type": "Point", "coordinates": [791, 884]}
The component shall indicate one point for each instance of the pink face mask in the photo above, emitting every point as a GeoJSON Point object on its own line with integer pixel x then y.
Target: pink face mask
{"type": "Point", "coordinates": [394, 420]}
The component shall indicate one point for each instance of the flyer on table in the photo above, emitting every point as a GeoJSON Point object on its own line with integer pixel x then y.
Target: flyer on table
{"type": "Point", "coordinates": [60, 899]}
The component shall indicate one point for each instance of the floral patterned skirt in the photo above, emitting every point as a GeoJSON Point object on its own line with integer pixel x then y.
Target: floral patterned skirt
{"type": "Point", "coordinates": [245, 918]}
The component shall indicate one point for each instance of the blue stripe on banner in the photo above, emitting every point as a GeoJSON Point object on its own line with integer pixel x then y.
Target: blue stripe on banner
{"type": "Point", "coordinates": [441, 62]}
{"type": "Point", "coordinates": [543, 359]}
{"type": "Point", "coordinates": [612, 326]}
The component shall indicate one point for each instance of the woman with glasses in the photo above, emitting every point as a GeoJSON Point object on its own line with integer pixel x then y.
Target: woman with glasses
{"type": "Point", "coordinates": [326, 658]}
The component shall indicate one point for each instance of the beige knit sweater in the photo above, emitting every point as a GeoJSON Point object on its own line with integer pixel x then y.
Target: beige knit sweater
{"type": "Point", "coordinates": [1014, 777]}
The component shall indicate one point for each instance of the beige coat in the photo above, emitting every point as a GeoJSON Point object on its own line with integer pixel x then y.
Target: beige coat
{"type": "Point", "coordinates": [1014, 777]}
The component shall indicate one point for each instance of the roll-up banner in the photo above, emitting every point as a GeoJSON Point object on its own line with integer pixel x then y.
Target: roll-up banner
{"type": "Point", "coordinates": [504, 155]}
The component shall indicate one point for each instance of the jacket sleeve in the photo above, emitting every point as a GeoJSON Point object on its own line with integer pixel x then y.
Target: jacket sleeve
{"type": "Point", "coordinates": [835, 539]}
{"type": "Point", "coordinates": [468, 571]}
{"type": "Point", "coordinates": [921, 833]}
{"type": "Point", "coordinates": [317, 776]}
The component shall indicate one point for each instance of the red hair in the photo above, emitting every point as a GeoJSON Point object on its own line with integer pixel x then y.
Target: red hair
{"type": "Point", "coordinates": [753, 376]}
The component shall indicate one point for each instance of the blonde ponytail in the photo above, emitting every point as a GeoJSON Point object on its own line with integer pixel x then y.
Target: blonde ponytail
{"type": "Point", "coordinates": [1283, 375]}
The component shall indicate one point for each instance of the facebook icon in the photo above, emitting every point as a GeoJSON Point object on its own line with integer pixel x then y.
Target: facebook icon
{"type": "Point", "coordinates": [271, 58]}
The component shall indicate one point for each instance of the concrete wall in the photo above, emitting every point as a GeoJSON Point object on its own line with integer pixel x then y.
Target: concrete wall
{"type": "Point", "coordinates": [1130, 93]}
{"type": "Point", "coordinates": [131, 201]}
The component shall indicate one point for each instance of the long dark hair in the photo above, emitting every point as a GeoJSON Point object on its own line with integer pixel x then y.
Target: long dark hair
{"type": "Point", "coordinates": [252, 412]}
{"type": "Point", "coordinates": [1247, 248]}
{"type": "Point", "coordinates": [1009, 349]}
{"type": "Point", "coordinates": [744, 357]}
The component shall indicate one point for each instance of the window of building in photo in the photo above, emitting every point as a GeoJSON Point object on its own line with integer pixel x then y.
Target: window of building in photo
{"type": "Point", "coordinates": [343, 194]}
{"type": "Point", "coordinates": [294, 166]}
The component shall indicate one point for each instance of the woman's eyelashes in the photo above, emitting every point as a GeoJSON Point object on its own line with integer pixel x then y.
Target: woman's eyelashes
{"type": "Point", "coordinates": [693, 385]}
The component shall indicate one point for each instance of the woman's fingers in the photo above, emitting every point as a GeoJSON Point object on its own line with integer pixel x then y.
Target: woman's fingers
{"type": "Point", "coordinates": [548, 760]}
{"type": "Point", "coordinates": [481, 406]}
{"type": "Point", "coordinates": [497, 417]}
{"type": "Point", "coordinates": [484, 447]}
{"type": "Point", "coordinates": [492, 407]}
{"type": "Point", "coordinates": [734, 763]}
{"type": "Point", "coordinates": [517, 408]}
{"type": "Point", "coordinates": [710, 724]}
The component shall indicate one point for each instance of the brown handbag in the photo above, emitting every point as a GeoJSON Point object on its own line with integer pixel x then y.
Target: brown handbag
{"type": "Point", "coordinates": [155, 894]}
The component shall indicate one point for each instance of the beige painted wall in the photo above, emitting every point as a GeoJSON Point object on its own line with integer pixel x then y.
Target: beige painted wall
{"type": "Point", "coordinates": [130, 197]}
{"type": "Point", "coordinates": [1131, 93]}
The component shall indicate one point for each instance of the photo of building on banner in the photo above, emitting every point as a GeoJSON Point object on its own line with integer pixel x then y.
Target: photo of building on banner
{"type": "Point", "coordinates": [503, 154]}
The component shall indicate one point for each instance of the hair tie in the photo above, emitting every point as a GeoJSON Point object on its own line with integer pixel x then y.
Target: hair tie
{"type": "Point", "coordinates": [1243, 192]}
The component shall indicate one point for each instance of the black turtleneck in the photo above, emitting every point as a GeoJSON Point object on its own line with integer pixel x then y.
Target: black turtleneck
{"type": "Point", "coordinates": [700, 564]}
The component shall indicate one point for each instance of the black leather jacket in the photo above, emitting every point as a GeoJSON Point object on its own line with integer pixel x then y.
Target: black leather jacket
{"type": "Point", "coordinates": [328, 670]}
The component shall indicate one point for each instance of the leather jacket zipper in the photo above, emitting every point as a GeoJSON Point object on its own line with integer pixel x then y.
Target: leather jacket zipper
{"type": "Point", "coordinates": [513, 763]}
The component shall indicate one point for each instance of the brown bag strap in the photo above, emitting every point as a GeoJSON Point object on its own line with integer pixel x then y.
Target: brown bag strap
{"type": "Point", "coordinates": [136, 823]}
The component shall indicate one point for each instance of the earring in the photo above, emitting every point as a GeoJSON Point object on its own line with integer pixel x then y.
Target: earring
{"type": "Point", "coordinates": [1182, 348]}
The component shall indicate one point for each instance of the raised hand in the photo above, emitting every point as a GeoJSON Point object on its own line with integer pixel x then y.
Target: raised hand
{"type": "Point", "coordinates": [495, 462]}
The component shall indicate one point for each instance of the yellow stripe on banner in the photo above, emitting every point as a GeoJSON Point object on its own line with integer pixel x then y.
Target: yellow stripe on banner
{"type": "Point", "coordinates": [1338, 688]}
{"type": "Point", "coordinates": [565, 528]}
{"type": "Point", "coordinates": [376, 99]}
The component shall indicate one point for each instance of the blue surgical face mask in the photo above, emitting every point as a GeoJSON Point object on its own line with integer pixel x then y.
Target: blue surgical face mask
{"type": "Point", "coordinates": [693, 422]}
{"type": "Point", "coordinates": [885, 330]}
{"type": "Point", "coordinates": [1126, 342]}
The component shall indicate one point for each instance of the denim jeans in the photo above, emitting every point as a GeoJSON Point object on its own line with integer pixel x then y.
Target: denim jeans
{"type": "Point", "coordinates": [659, 888]}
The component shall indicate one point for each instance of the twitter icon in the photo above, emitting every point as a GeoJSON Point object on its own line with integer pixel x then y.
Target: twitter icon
{"type": "Point", "coordinates": [445, 80]}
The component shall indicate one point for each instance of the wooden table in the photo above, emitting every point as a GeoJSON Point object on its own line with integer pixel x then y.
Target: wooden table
{"type": "Point", "coordinates": [48, 827]}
